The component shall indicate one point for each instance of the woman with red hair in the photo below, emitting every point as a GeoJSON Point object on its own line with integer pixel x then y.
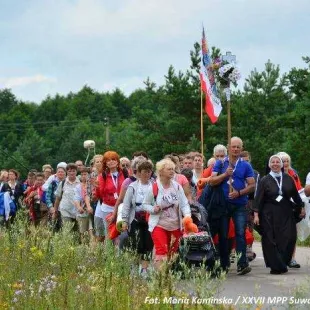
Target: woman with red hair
{"type": "Point", "coordinates": [109, 186]}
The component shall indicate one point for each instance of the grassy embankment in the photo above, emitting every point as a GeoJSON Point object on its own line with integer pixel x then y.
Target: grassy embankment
{"type": "Point", "coordinates": [41, 270]}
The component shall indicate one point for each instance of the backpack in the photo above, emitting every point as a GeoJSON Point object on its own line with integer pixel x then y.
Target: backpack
{"type": "Point", "coordinates": [155, 190]}
{"type": "Point", "coordinates": [62, 188]}
{"type": "Point", "coordinates": [54, 187]}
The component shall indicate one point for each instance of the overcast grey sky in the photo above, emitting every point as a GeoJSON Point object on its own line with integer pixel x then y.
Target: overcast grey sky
{"type": "Point", "coordinates": [50, 46]}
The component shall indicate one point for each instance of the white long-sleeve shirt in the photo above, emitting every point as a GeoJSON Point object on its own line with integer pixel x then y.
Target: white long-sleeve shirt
{"type": "Point", "coordinates": [49, 181]}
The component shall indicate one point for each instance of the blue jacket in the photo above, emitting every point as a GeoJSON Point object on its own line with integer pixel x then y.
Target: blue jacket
{"type": "Point", "coordinates": [7, 206]}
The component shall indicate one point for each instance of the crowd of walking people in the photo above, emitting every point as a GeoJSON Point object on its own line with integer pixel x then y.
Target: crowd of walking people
{"type": "Point", "coordinates": [148, 209]}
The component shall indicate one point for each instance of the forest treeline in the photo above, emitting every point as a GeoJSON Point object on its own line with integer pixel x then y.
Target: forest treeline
{"type": "Point", "coordinates": [270, 114]}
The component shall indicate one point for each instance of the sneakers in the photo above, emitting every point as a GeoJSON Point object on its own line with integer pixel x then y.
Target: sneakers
{"type": "Point", "coordinates": [293, 264]}
{"type": "Point", "coordinates": [243, 270]}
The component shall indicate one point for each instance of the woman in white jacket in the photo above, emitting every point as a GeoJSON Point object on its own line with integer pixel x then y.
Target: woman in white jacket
{"type": "Point", "coordinates": [135, 226]}
{"type": "Point", "coordinates": [166, 207]}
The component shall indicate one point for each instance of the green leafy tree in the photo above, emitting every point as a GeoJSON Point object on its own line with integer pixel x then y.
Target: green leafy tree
{"type": "Point", "coordinates": [120, 103]}
{"type": "Point", "coordinates": [256, 114]}
{"type": "Point", "coordinates": [7, 100]}
{"type": "Point", "coordinates": [31, 151]}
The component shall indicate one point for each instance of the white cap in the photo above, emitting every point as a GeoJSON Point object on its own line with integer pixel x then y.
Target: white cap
{"type": "Point", "coordinates": [62, 165]}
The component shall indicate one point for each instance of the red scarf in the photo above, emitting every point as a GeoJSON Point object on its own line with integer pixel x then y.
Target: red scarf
{"type": "Point", "coordinates": [295, 177]}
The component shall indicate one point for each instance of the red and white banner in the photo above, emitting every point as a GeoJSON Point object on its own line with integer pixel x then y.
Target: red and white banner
{"type": "Point", "coordinates": [213, 105]}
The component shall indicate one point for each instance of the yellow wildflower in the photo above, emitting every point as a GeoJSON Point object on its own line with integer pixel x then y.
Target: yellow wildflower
{"type": "Point", "coordinates": [33, 249]}
{"type": "Point", "coordinates": [4, 305]}
{"type": "Point", "coordinates": [17, 285]}
{"type": "Point", "coordinates": [39, 254]}
{"type": "Point", "coordinates": [21, 244]}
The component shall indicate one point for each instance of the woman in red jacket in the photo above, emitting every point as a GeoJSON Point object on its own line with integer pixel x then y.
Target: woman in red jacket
{"type": "Point", "coordinates": [109, 186]}
{"type": "Point", "coordinates": [286, 159]}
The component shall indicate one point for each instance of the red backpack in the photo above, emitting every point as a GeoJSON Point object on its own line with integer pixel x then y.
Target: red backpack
{"type": "Point", "coordinates": [155, 190]}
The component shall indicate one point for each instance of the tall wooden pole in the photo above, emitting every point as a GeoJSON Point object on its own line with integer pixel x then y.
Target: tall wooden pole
{"type": "Point", "coordinates": [201, 121]}
{"type": "Point", "coordinates": [107, 133]}
{"type": "Point", "coordinates": [229, 139]}
{"type": "Point", "coordinates": [229, 58]}
{"type": "Point", "coordinates": [227, 91]}
{"type": "Point", "coordinates": [228, 124]}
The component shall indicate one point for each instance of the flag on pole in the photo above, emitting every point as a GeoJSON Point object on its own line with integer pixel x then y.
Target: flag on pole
{"type": "Point", "coordinates": [213, 106]}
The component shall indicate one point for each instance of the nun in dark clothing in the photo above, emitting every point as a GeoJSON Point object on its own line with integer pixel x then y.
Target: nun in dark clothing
{"type": "Point", "coordinates": [274, 213]}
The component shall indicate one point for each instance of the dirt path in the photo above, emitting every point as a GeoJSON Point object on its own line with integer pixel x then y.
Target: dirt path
{"type": "Point", "coordinates": [265, 287]}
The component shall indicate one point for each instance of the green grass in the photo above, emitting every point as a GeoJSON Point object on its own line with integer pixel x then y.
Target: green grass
{"type": "Point", "coordinates": [257, 236]}
{"type": "Point", "coordinates": [40, 270]}
{"type": "Point", "coordinates": [305, 243]}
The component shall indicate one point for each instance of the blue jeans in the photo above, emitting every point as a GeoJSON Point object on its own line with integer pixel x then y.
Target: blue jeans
{"type": "Point", "coordinates": [239, 216]}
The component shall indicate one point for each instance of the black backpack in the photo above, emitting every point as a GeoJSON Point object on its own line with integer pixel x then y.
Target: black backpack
{"type": "Point", "coordinates": [54, 187]}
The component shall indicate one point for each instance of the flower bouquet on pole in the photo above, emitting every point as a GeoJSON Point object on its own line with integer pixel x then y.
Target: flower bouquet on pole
{"type": "Point", "coordinates": [228, 74]}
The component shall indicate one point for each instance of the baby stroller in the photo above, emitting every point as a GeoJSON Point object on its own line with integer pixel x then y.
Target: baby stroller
{"type": "Point", "coordinates": [197, 249]}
